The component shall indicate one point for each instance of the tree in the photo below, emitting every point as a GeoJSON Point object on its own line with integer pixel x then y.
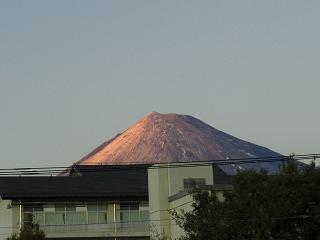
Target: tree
{"type": "Point", "coordinates": [260, 207]}
{"type": "Point", "coordinates": [30, 231]}
{"type": "Point", "coordinates": [156, 235]}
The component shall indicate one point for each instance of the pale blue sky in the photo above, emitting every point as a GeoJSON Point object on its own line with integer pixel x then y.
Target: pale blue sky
{"type": "Point", "coordinates": [75, 73]}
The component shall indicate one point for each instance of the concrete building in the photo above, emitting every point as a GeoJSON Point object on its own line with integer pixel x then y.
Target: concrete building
{"type": "Point", "coordinates": [110, 202]}
{"type": "Point", "coordinates": [169, 189]}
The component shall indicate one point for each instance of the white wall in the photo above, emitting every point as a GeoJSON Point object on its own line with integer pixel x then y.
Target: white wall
{"type": "Point", "coordinates": [184, 204]}
{"type": "Point", "coordinates": [166, 182]}
{"type": "Point", "coordinates": [158, 200]}
{"type": "Point", "coordinates": [176, 176]}
{"type": "Point", "coordinates": [9, 223]}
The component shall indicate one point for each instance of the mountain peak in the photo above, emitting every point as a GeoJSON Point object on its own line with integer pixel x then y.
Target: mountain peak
{"type": "Point", "coordinates": [162, 115]}
{"type": "Point", "coordinates": [159, 138]}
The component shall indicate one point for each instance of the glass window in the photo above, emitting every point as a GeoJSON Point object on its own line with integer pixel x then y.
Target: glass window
{"type": "Point", "coordinates": [129, 212]}
{"type": "Point", "coordinates": [27, 217]}
{"type": "Point", "coordinates": [74, 218]}
{"type": "Point", "coordinates": [50, 219]}
{"type": "Point", "coordinates": [33, 213]}
{"type": "Point", "coordinates": [59, 214]}
{"type": "Point", "coordinates": [129, 206]}
{"type": "Point", "coordinates": [144, 205]}
{"type": "Point", "coordinates": [125, 216]}
{"type": "Point", "coordinates": [38, 218]}
{"type": "Point", "coordinates": [102, 217]}
{"type": "Point", "coordinates": [28, 209]}
{"type": "Point", "coordinates": [60, 218]}
{"type": "Point", "coordinates": [71, 207]}
{"type": "Point", "coordinates": [81, 218]}
{"type": "Point", "coordinates": [134, 216]}
{"type": "Point", "coordinates": [97, 213]}
{"type": "Point", "coordinates": [193, 182]}
{"type": "Point", "coordinates": [59, 207]}
{"type": "Point", "coordinates": [92, 207]}
{"type": "Point", "coordinates": [92, 217]}
{"type": "Point", "coordinates": [67, 213]}
{"type": "Point", "coordinates": [38, 208]}
{"type": "Point", "coordinates": [124, 207]}
{"type": "Point", "coordinates": [102, 207]}
{"type": "Point", "coordinates": [144, 215]}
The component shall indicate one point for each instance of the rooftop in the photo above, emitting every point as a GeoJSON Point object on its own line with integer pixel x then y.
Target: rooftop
{"type": "Point", "coordinates": [105, 182]}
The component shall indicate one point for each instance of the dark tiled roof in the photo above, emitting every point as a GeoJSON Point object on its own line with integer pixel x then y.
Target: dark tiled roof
{"type": "Point", "coordinates": [104, 182]}
{"type": "Point", "coordinates": [98, 170]}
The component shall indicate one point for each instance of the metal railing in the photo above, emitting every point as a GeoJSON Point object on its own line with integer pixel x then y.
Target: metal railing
{"type": "Point", "coordinates": [137, 226]}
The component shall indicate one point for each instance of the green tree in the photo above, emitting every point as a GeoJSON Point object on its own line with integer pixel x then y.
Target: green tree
{"type": "Point", "coordinates": [260, 207]}
{"type": "Point", "coordinates": [30, 231]}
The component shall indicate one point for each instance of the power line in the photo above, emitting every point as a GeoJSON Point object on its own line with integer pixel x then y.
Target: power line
{"type": "Point", "coordinates": [94, 168]}
{"type": "Point", "coordinates": [57, 170]}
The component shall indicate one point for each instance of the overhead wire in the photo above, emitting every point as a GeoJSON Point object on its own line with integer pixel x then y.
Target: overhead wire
{"type": "Point", "coordinates": [58, 170]}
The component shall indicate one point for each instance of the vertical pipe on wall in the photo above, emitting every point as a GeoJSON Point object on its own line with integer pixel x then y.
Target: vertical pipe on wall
{"type": "Point", "coordinates": [20, 215]}
{"type": "Point", "coordinates": [114, 216]}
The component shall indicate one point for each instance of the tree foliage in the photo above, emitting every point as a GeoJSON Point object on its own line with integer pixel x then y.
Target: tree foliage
{"type": "Point", "coordinates": [260, 207]}
{"type": "Point", "coordinates": [30, 231]}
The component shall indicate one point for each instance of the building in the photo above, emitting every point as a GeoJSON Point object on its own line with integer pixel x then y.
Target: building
{"type": "Point", "coordinates": [109, 202]}
{"type": "Point", "coordinates": [92, 203]}
{"type": "Point", "coordinates": [169, 189]}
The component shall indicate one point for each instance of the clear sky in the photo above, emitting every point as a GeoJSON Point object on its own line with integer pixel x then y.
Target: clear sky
{"type": "Point", "coordinates": [75, 73]}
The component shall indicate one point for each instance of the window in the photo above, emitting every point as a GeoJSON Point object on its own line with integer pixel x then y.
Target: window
{"type": "Point", "coordinates": [66, 213]}
{"type": "Point", "coordinates": [34, 212]}
{"type": "Point", "coordinates": [144, 215]}
{"type": "Point", "coordinates": [92, 213]}
{"type": "Point", "coordinates": [189, 183]}
{"type": "Point", "coordinates": [131, 212]}
{"type": "Point", "coordinates": [59, 216]}
{"type": "Point", "coordinates": [97, 213]}
{"type": "Point", "coordinates": [76, 214]}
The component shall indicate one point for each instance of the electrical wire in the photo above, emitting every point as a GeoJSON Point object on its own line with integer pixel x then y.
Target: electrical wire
{"type": "Point", "coordinates": [95, 167]}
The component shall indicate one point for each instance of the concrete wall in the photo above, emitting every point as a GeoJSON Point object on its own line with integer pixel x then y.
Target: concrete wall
{"type": "Point", "coordinates": [167, 182]}
{"type": "Point", "coordinates": [184, 204]}
{"type": "Point", "coordinates": [176, 176]}
{"type": "Point", "coordinates": [9, 219]}
{"type": "Point", "coordinates": [158, 201]}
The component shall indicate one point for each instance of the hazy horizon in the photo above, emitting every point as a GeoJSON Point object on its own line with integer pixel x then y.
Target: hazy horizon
{"type": "Point", "coordinates": [75, 73]}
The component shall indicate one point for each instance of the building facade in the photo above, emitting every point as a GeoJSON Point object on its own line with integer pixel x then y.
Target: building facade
{"type": "Point", "coordinates": [109, 202]}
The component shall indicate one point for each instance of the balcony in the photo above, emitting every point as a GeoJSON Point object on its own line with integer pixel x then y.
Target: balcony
{"type": "Point", "coordinates": [90, 220]}
{"type": "Point", "coordinates": [117, 229]}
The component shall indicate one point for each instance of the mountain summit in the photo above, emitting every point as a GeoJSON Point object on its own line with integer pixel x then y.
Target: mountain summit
{"type": "Point", "coordinates": [160, 138]}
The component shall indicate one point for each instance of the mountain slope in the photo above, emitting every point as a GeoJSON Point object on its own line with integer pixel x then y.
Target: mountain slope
{"type": "Point", "coordinates": [159, 138]}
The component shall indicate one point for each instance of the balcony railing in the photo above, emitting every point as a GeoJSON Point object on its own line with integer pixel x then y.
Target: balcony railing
{"type": "Point", "coordinates": [95, 230]}
{"type": "Point", "coordinates": [93, 219]}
